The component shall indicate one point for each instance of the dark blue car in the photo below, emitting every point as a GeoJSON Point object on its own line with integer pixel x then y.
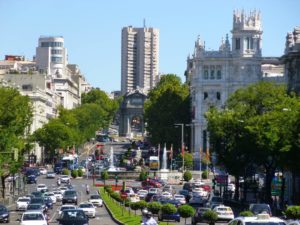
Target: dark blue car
{"type": "Point", "coordinates": [31, 179]}
{"type": "Point", "coordinates": [174, 216]}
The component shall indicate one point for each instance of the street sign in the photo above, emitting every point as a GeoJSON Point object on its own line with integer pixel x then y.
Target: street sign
{"type": "Point", "coordinates": [221, 180]}
{"type": "Point", "coordinates": [123, 195]}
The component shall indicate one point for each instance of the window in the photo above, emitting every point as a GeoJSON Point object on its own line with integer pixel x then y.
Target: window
{"type": "Point", "coordinates": [249, 43]}
{"type": "Point", "coordinates": [205, 77]}
{"type": "Point", "coordinates": [27, 87]}
{"type": "Point", "coordinates": [205, 95]}
{"type": "Point", "coordinates": [237, 43]}
{"type": "Point", "coordinates": [56, 51]}
{"type": "Point", "coordinates": [56, 59]}
{"type": "Point", "coordinates": [212, 72]}
{"type": "Point", "coordinates": [218, 95]}
{"type": "Point", "coordinates": [219, 73]}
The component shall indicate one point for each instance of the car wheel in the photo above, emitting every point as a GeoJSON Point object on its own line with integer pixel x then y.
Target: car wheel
{"type": "Point", "coordinates": [178, 220]}
{"type": "Point", "coordinates": [7, 221]}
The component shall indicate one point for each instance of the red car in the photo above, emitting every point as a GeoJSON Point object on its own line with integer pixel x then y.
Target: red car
{"type": "Point", "coordinates": [206, 187]}
{"type": "Point", "coordinates": [150, 182]}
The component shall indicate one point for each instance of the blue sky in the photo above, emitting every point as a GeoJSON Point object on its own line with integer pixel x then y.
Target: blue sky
{"type": "Point", "coordinates": [92, 29]}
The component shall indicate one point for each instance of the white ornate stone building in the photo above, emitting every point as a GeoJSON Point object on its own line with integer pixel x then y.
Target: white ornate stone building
{"type": "Point", "coordinates": [214, 75]}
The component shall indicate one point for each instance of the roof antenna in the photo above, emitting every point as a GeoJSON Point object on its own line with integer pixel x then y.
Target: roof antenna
{"type": "Point", "coordinates": [144, 23]}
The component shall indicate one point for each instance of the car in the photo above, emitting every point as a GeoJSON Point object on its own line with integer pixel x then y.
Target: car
{"type": "Point", "coordinates": [73, 217]}
{"type": "Point", "coordinates": [175, 216]}
{"type": "Point", "coordinates": [33, 217]}
{"type": "Point", "coordinates": [4, 214]}
{"type": "Point", "coordinates": [65, 207]}
{"type": "Point", "coordinates": [153, 190]}
{"type": "Point", "coordinates": [70, 196]}
{"type": "Point", "coordinates": [169, 188]}
{"type": "Point", "coordinates": [260, 208]}
{"type": "Point", "coordinates": [149, 196]}
{"type": "Point", "coordinates": [180, 198]}
{"type": "Point", "coordinates": [166, 195]}
{"type": "Point", "coordinates": [199, 192]}
{"type": "Point", "coordinates": [88, 208]}
{"type": "Point", "coordinates": [142, 194]}
{"type": "Point", "coordinates": [50, 195]}
{"type": "Point", "coordinates": [196, 202]}
{"type": "Point", "coordinates": [62, 189]}
{"type": "Point", "coordinates": [58, 195]}
{"type": "Point", "coordinates": [43, 170]}
{"type": "Point", "coordinates": [96, 200]}
{"type": "Point", "coordinates": [293, 222]}
{"type": "Point", "coordinates": [64, 178]}
{"type": "Point", "coordinates": [224, 212]}
{"type": "Point", "coordinates": [22, 203]}
{"type": "Point", "coordinates": [188, 186]}
{"type": "Point", "coordinates": [35, 207]}
{"type": "Point", "coordinates": [151, 182]}
{"type": "Point", "coordinates": [214, 200]}
{"type": "Point", "coordinates": [133, 198]}
{"type": "Point", "coordinates": [31, 179]}
{"type": "Point", "coordinates": [258, 219]}
{"type": "Point", "coordinates": [186, 194]}
{"type": "Point", "coordinates": [39, 201]}
{"type": "Point", "coordinates": [50, 175]}
{"type": "Point", "coordinates": [198, 217]}
{"type": "Point", "coordinates": [37, 194]}
{"type": "Point", "coordinates": [41, 188]}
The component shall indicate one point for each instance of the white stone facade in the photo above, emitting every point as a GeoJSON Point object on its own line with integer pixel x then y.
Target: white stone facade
{"type": "Point", "coordinates": [139, 58]}
{"type": "Point", "coordinates": [214, 75]}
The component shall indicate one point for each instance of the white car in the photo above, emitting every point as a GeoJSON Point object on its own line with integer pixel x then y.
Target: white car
{"type": "Point", "coordinates": [142, 194]}
{"type": "Point", "coordinates": [133, 198]}
{"type": "Point", "coordinates": [43, 171]}
{"type": "Point", "coordinates": [199, 192]}
{"type": "Point", "coordinates": [58, 195]}
{"type": "Point", "coordinates": [63, 207]}
{"type": "Point", "coordinates": [224, 212]}
{"type": "Point", "coordinates": [50, 195]}
{"type": "Point", "coordinates": [33, 218]}
{"type": "Point", "coordinates": [41, 187]}
{"type": "Point", "coordinates": [96, 200]}
{"type": "Point", "coordinates": [153, 190]}
{"type": "Point", "coordinates": [166, 194]}
{"type": "Point", "coordinates": [88, 208]}
{"type": "Point", "coordinates": [180, 198]}
{"type": "Point", "coordinates": [64, 178]}
{"type": "Point", "coordinates": [22, 203]}
{"type": "Point", "coordinates": [257, 220]}
{"type": "Point", "coordinates": [62, 189]}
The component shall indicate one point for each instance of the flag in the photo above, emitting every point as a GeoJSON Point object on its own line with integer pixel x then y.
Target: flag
{"type": "Point", "coordinates": [207, 154]}
{"type": "Point", "coordinates": [171, 152]}
{"type": "Point", "coordinates": [182, 150]}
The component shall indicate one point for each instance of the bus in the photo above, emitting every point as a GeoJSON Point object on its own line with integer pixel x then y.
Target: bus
{"type": "Point", "coordinates": [70, 161]}
{"type": "Point", "coordinates": [154, 163]}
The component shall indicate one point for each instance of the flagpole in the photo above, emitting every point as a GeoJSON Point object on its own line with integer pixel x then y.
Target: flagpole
{"type": "Point", "coordinates": [200, 164]}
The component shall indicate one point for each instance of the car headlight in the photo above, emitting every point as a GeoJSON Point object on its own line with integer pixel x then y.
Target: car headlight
{"type": "Point", "coordinates": [5, 214]}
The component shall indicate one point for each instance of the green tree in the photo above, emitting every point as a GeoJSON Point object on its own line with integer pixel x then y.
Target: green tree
{"type": "Point", "coordinates": [154, 207]}
{"type": "Point", "coordinates": [187, 176]}
{"type": "Point", "coordinates": [246, 213]}
{"type": "Point", "coordinates": [15, 118]}
{"type": "Point", "coordinates": [142, 204]}
{"type": "Point", "coordinates": [74, 173]}
{"type": "Point", "coordinates": [204, 174]}
{"type": "Point", "coordinates": [104, 176]}
{"type": "Point", "coordinates": [210, 216]}
{"type": "Point", "coordinates": [188, 160]}
{"type": "Point", "coordinates": [168, 209]}
{"type": "Point", "coordinates": [186, 211]}
{"type": "Point", "coordinates": [80, 173]}
{"type": "Point", "coordinates": [168, 104]}
{"type": "Point", "coordinates": [143, 175]}
{"type": "Point", "coordinates": [134, 206]}
{"type": "Point", "coordinates": [293, 212]}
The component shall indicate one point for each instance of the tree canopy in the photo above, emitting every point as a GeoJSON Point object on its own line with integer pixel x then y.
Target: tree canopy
{"type": "Point", "coordinates": [167, 105]}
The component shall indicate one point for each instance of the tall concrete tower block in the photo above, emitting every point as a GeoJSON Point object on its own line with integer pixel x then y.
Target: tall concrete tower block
{"type": "Point", "coordinates": [51, 55]}
{"type": "Point", "coordinates": [246, 34]}
{"type": "Point", "coordinates": [139, 58]}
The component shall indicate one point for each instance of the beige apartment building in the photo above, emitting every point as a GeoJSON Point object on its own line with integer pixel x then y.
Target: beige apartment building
{"type": "Point", "coordinates": [140, 52]}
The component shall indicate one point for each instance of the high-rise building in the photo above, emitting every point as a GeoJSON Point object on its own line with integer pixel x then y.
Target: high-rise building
{"type": "Point", "coordinates": [140, 52]}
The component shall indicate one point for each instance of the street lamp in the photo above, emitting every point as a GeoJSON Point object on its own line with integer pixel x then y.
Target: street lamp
{"type": "Point", "coordinates": [182, 142]}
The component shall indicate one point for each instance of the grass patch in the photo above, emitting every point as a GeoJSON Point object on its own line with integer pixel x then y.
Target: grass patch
{"type": "Point", "coordinates": [116, 210]}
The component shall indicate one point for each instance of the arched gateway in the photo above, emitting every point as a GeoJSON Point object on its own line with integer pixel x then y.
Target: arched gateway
{"type": "Point", "coordinates": [131, 114]}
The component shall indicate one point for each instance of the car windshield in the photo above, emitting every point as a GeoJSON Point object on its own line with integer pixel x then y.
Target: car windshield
{"type": "Point", "coordinates": [23, 200]}
{"type": "Point", "coordinates": [66, 207]}
{"type": "Point", "coordinates": [95, 197]}
{"type": "Point", "coordinates": [260, 208]}
{"type": "Point", "coordinates": [34, 206]}
{"type": "Point", "coordinates": [37, 200]}
{"type": "Point", "coordinates": [265, 223]}
{"type": "Point", "coordinates": [73, 215]}
{"type": "Point", "coordinates": [2, 209]}
{"type": "Point", "coordinates": [85, 206]}
{"type": "Point", "coordinates": [33, 216]}
{"type": "Point", "coordinates": [217, 199]}
{"type": "Point", "coordinates": [69, 193]}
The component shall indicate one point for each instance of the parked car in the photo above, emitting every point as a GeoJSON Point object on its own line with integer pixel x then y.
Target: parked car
{"type": "Point", "coordinates": [73, 217]}
{"type": "Point", "coordinates": [224, 212]}
{"type": "Point", "coordinates": [4, 214]}
{"type": "Point", "coordinates": [96, 200]}
{"type": "Point", "coordinates": [198, 217]}
{"type": "Point", "coordinates": [88, 208]}
{"type": "Point", "coordinates": [33, 217]}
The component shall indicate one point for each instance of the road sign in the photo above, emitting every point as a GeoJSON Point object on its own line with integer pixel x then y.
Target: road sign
{"type": "Point", "coordinates": [123, 195]}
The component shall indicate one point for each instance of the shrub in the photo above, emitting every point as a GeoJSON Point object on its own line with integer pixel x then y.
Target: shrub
{"type": "Point", "coordinates": [154, 207]}
{"type": "Point", "coordinates": [74, 173]}
{"type": "Point", "coordinates": [205, 174]}
{"type": "Point", "coordinates": [143, 175]}
{"type": "Point", "coordinates": [142, 204]}
{"type": "Point", "coordinates": [187, 176]}
{"type": "Point", "coordinates": [66, 172]}
{"type": "Point", "coordinates": [80, 173]}
{"type": "Point", "coordinates": [134, 206]}
{"type": "Point", "coordinates": [116, 196]}
{"type": "Point", "coordinates": [293, 212]}
{"type": "Point", "coordinates": [186, 211]}
{"type": "Point", "coordinates": [108, 189]}
{"type": "Point", "coordinates": [104, 176]}
{"type": "Point", "coordinates": [168, 209]}
{"type": "Point", "coordinates": [246, 213]}
{"type": "Point", "coordinates": [210, 216]}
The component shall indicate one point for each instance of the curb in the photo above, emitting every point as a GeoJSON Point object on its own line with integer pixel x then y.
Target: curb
{"type": "Point", "coordinates": [110, 213]}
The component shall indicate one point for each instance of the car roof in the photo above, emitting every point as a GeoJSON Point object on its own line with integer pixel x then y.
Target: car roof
{"type": "Point", "coordinates": [260, 218]}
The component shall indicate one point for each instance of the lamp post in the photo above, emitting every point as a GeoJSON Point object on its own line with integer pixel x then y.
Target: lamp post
{"type": "Point", "coordinates": [182, 142]}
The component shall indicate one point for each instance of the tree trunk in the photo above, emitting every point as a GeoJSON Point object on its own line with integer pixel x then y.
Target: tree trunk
{"type": "Point", "coordinates": [184, 220]}
{"type": "Point", "coordinates": [3, 186]}
{"type": "Point", "coordinates": [237, 188]}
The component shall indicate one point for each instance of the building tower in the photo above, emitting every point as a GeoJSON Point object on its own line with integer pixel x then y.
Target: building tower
{"type": "Point", "coordinates": [246, 34]}
{"type": "Point", "coordinates": [139, 58]}
{"type": "Point", "coordinates": [51, 55]}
